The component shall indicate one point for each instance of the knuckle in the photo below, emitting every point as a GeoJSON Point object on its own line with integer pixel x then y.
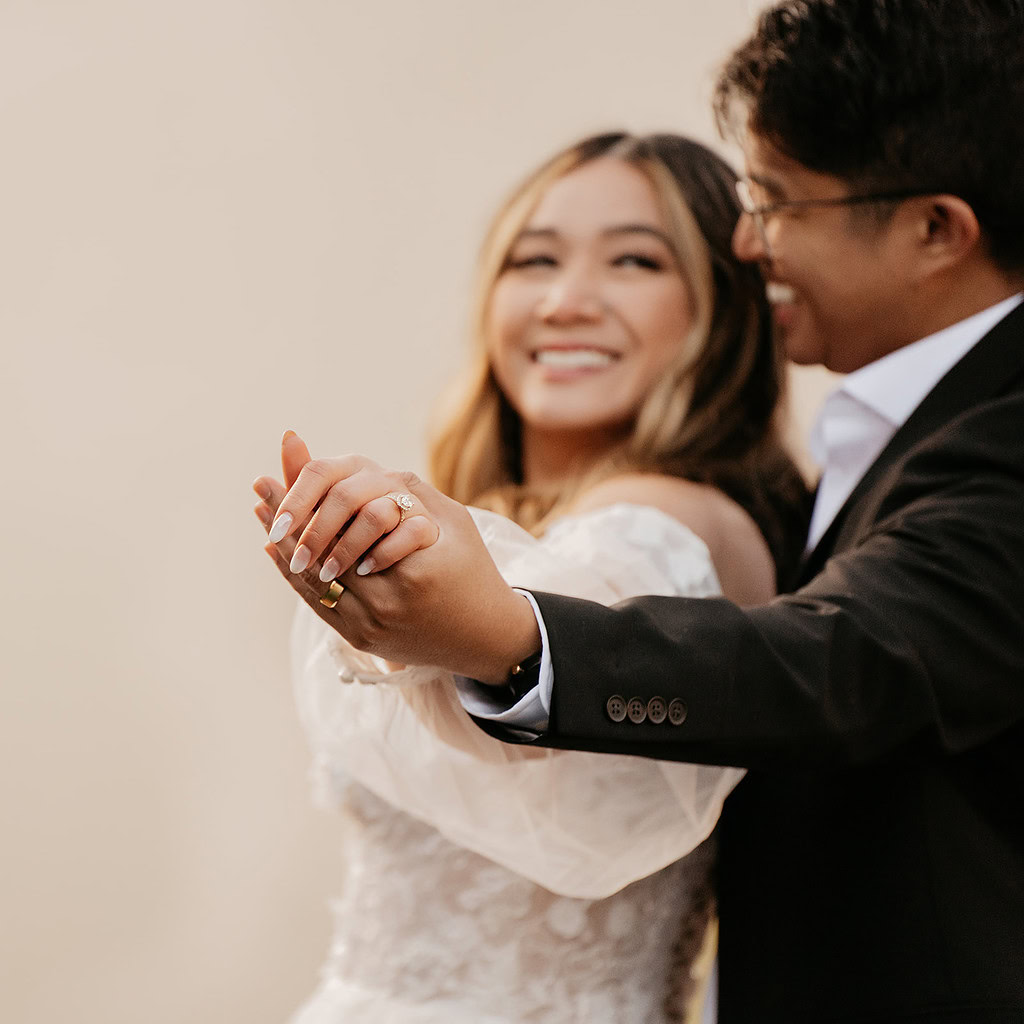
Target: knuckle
{"type": "Point", "coordinates": [315, 469]}
{"type": "Point", "coordinates": [409, 479]}
{"type": "Point", "coordinates": [373, 520]}
{"type": "Point", "coordinates": [338, 495]}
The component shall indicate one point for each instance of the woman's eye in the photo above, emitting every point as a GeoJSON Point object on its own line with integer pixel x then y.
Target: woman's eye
{"type": "Point", "coordinates": [637, 259]}
{"type": "Point", "coordinates": [534, 260]}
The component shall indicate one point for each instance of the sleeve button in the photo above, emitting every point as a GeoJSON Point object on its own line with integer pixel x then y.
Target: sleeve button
{"type": "Point", "coordinates": [616, 708]}
{"type": "Point", "coordinates": [657, 710]}
{"type": "Point", "coordinates": [677, 712]}
{"type": "Point", "coordinates": [637, 710]}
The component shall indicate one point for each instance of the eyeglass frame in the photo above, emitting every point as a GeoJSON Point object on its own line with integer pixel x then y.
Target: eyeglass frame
{"type": "Point", "coordinates": [759, 211]}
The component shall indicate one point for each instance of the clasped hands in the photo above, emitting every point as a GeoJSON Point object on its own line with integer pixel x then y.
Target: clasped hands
{"type": "Point", "coordinates": [420, 589]}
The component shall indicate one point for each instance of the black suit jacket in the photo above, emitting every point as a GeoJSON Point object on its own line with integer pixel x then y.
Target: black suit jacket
{"type": "Point", "coordinates": [872, 861]}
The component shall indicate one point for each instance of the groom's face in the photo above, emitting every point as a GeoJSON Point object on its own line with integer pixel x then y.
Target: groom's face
{"type": "Point", "coordinates": [837, 274]}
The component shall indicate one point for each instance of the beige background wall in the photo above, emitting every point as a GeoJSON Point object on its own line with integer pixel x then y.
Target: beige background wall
{"type": "Point", "coordinates": [219, 219]}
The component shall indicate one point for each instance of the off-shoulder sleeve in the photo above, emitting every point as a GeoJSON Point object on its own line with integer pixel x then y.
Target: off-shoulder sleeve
{"type": "Point", "coordinates": [579, 824]}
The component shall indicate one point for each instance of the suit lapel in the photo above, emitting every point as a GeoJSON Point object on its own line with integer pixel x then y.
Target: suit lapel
{"type": "Point", "coordinates": [987, 370]}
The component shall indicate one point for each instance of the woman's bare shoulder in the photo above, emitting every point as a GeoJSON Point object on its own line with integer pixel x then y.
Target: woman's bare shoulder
{"type": "Point", "coordinates": [738, 549]}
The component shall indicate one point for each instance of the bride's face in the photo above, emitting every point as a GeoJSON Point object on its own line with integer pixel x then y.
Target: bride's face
{"type": "Point", "coordinates": [591, 307]}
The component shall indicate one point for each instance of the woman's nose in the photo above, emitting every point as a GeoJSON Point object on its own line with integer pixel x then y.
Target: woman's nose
{"type": "Point", "coordinates": [571, 298]}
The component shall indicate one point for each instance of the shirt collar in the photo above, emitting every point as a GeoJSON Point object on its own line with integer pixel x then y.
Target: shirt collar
{"type": "Point", "coordinates": [895, 385]}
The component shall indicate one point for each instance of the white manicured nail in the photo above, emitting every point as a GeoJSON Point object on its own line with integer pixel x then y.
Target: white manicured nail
{"type": "Point", "coordinates": [330, 570]}
{"type": "Point", "coordinates": [366, 566]}
{"type": "Point", "coordinates": [280, 527]}
{"type": "Point", "coordinates": [301, 558]}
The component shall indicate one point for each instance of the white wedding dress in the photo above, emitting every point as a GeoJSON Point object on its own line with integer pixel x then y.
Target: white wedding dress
{"type": "Point", "coordinates": [488, 883]}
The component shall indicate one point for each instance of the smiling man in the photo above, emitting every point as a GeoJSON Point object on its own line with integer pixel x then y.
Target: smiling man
{"type": "Point", "coordinates": [872, 860]}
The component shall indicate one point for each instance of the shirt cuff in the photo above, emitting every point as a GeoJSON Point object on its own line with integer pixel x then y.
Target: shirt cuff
{"type": "Point", "coordinates": [532, 712]}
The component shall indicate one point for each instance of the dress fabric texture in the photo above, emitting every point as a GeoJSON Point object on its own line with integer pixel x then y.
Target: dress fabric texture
{"type": "Point", "coordinates": [493, 883]}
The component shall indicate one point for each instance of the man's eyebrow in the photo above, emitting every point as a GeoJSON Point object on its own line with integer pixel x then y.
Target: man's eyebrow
{"type": "Point", "coordinates": [770, 185]}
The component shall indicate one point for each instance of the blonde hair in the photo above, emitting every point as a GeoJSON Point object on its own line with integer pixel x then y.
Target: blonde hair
{"type": "Point", "coordinates": [709, 417]}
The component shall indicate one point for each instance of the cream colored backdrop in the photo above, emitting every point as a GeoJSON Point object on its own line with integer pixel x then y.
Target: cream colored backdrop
{"type": "Point", "coordinates": [219, 219]}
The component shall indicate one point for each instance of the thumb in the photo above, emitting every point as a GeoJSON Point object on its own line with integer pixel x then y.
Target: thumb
{"type": "Point", "coordinates": [294, 455]}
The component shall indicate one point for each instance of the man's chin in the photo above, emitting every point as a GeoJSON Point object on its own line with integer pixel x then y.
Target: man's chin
{"type": "Point", "coordinates": [801, 351]}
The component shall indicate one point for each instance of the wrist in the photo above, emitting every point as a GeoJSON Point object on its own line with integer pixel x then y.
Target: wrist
{"type": "Point", "coordinates": [517, 646]}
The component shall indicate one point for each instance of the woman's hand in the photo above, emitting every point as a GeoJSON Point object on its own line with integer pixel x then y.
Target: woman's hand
{"type": "Point", "coordinates": [326, 495]}
{"type": "Point", "coordinates": [441, 600]}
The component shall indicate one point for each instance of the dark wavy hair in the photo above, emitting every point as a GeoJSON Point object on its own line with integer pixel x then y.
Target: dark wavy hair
{"type": "Point", "coordinates": [894, 95]}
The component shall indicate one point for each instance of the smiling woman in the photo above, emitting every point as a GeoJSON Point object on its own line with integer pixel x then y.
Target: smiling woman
{"type": "Point", "coordinates": [616, 331]}
{"type": "Point", "coordinates": [621, 408]}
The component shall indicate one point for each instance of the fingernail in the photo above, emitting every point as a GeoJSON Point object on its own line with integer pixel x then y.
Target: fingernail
{"type": "Point", "coordinates": [300, 558]}
{"type": "Point", "coordinates": [261, 488]}
{"type": "Point", "coordinates": [287, 434]}
{"type": "Point", "coordinates": [280, 527]}
{"type": "Point", "coordinates": [330, 570]}
{"type": "Point", "coordinates": [264, 514]}
{"type": "Point", "coordinates": [366, 566]}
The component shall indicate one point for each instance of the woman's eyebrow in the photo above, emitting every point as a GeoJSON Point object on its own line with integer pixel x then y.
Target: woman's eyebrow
{"type": "Point", "coordinates": [537, 233]}
{"type": "Point", "coordinates": [639, 229]}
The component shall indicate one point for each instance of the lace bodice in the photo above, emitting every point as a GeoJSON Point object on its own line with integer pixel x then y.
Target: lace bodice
{"type": "Point", "coordinates": [491, 883]}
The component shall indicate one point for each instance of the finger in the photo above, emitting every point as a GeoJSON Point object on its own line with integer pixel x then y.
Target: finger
{"type": "Point", "coordinates": [264, 514]}
{"type": "Point", "coordinates": [371, 522]}
{"type": "Point", "coordinates": [265, 486]}
{"type": "Point", "coordinates": [338, 511]}
{"type": "Point", "coordinates": [415, 534]}
{"type": "Point", "coordinates": [294, 455]}
{"type": "Point", "coordinates": [315, 479]}
{"type": "Point", "coordinates": [309, 588]}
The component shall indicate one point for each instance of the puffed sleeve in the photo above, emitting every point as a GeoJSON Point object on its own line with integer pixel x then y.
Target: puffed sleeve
{"type": "Point", "coordinates": [577, 823]}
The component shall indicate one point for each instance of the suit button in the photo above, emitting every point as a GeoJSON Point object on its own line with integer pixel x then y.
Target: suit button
{"type": "Point", "coordinates": [616, 708]}
{"type": "Point", "coordinates": [677, 712]}
{"type": "Point", "coordinates": [657, 710]}
{"type": "Point", "coordinates": [636, 709]}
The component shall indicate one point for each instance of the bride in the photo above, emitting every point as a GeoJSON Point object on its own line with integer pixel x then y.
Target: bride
{"type": "Point", "coordinates": [617, 436]}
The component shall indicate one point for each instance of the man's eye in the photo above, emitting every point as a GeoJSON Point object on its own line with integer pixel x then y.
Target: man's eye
{"type": "Point", "coordinates": [636, 259]}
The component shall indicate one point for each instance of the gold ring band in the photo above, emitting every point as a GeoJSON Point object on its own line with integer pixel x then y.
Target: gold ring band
{"type": "Point", "coordinates": [404, 503]}
{"type": "Point", "coordinates": [334, 592]}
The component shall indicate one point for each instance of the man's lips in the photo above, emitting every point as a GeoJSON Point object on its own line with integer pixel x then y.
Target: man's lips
{"type": "Point", "coordinates": [779, 293]}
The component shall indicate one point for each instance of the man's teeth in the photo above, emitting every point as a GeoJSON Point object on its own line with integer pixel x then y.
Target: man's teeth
{"type": "Point", "coordinates": [780, 292]}
{"type": "Point", "coordinates": [573, 358]}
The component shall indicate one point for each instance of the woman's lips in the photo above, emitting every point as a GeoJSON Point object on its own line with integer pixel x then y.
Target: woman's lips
{"type": "Point", "coordinates": [574, 358]}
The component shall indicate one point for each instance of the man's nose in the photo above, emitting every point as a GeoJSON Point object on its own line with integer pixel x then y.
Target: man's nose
{"type": "Point", "coordinates": [748, 242]}
{"type": "Point", "coordinates": [572, 297]}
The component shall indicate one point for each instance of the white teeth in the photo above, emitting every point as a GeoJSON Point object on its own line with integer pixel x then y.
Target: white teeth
{"type": "Point", "coordinates": [780, 292]}
{"type": "Point", "coordinates": [573, 358]}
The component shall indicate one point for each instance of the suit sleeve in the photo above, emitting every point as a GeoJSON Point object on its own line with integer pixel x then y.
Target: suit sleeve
{"type": "Point", "coordinates": [913, 636]}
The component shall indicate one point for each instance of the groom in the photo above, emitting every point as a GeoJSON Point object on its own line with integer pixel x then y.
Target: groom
{"type": "Point", "coordinates": [872, 860]}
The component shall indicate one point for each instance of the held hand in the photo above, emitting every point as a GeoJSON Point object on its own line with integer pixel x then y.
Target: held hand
{"type": "Point", "coordinates": [444, 604]}
{"type": "Point", "coordinates": [351, 493]}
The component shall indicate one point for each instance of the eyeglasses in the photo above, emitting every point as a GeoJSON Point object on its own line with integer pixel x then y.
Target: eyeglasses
{"type": "Point", "coordinates": [760, 212]}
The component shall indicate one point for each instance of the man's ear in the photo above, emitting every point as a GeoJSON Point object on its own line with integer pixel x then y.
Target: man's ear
{"type": "Point", "coordinates": [948, 231]}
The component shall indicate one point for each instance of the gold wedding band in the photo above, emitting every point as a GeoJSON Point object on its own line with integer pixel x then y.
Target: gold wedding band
{"type": "Point", "coordinates": [404, 503]}
{"type": "Point", "coordinates": [334, 591]}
